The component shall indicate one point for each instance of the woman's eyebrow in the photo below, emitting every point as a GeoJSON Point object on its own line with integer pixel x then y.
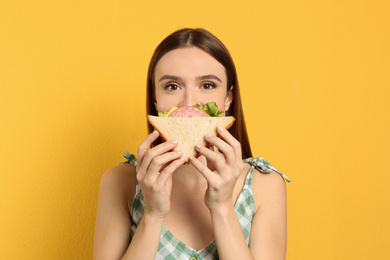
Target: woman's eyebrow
{"type": "Point", "coordinates": [168, 77]}
{"type": "Point", "coordinates": [203, 77]}
{"type": "Point", "coordinates": [210, 76]}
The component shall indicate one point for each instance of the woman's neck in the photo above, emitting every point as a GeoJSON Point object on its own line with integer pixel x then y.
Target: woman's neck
{"type": "Point", "coordinates": [188, 175]}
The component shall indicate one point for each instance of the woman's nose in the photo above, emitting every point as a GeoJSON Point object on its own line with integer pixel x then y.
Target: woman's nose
{"type": "Point", "coordinates": [190, 98]}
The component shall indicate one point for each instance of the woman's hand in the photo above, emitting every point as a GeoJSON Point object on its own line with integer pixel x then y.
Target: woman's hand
{"type": "Point", "coordinates": [222, 171]}
{"type": "Point", "coordinates": [154, 174]}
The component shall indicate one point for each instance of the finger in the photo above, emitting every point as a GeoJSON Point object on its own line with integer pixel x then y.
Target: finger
{"type": "Point", "coordinates": [212, 156]}
{"type": "Point", "coordinates": [207, 174]}
{"type": "Point", "coordinates": [158, 161]}
{"type": "Point", "coordinates": [144, 146]}
{"type": "Point", "coordinates": [171, 168]}
{"type": "Point", "coordinates": [233, 142]}
{"type": "Point", "coordinates": [155, 151]}
{"type": "Point", "coordinates": [224, 147]}
{"type": "Point", "coordinates": [210, 165]}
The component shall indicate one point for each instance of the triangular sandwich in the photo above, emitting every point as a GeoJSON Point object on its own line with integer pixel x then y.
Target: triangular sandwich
{"type": "Point", "coordinates": [188, 131]}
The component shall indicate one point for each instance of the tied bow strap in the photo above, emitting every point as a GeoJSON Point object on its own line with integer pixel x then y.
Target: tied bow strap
{"type": "Point", "coordinates": [130, 159]}
{"type": "Point", "coordinates": [264, 166]}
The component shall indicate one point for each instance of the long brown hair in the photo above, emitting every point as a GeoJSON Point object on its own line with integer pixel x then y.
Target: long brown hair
{"type": "Point", "coordinates": [207, 42]}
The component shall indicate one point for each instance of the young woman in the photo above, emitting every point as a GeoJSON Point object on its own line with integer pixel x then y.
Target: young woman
{"type": "Point", "coordinates": [218, 206]}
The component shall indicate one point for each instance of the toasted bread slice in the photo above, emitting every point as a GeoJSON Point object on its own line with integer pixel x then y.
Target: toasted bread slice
{"type": "Point", "coordinates": [188, 131]}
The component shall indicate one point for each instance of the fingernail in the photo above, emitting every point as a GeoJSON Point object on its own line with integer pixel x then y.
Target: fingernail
{"type": "Point", "coordinates": [198, 146]}
{"type": "Point", "coordinates": [220, 128]}
{"type": "Point", "coordinates": [179, 152]}
{"type": "Point", "coordinates": [155, 131]}
{"type": "Point", "coordinates": [207, 136]}
{"type": "Point", "coordinates": [191, 158]}
{"type": "Point", "coordinates": [174, 141]}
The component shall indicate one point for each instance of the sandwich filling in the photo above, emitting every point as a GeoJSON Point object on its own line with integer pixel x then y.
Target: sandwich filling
{"type": "Point", "coordinates": [188, 112]}
{"type": "Point", "coordinates": [210, 109]}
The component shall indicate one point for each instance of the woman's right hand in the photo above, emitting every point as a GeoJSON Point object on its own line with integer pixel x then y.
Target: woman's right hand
{"type": "Point", "coordinates": [154, 174]}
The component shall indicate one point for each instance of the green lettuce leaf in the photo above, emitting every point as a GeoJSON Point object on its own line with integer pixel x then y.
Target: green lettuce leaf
{"type": "Point", "coordinates": [211, 109]}
{"type": "Point", "coordinates": [163, 114]}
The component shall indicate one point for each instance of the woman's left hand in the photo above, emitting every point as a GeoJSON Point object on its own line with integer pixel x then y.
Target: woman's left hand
{"type": "Point", "coordinates": [222, 170]}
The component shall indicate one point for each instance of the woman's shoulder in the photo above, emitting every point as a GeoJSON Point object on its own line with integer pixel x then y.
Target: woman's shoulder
{"type": "Point", "coordinates": [269, 189]}
{"type": "Point", "coordinates": [119, 181]}
{"type": "Point", "coordinates": [268, 184]}
{"type": "Point", "coordinates": [120, 172]}
{"type": "Point", "coordinates": [267, 181]}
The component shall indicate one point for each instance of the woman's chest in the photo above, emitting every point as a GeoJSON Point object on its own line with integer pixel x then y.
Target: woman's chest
{"type": "Point", "coordinates": [189, 219]}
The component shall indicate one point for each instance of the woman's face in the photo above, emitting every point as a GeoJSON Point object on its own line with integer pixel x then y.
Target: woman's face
{"type": "Point", "coordinates": [189, 76]}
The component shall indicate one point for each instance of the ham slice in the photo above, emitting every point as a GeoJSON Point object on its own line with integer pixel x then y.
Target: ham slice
{"type": "Point", "coordinates": [188, 112]}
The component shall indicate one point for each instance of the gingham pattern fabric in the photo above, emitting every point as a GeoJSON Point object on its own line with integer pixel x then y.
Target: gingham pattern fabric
{"type": "Point", "coordinates": [171, 248]}
{"type": "Point", "coordinates": [264, 166]}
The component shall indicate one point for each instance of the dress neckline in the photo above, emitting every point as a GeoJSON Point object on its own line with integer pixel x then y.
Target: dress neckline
{"type": "Point", "coordinates": [189, 249]}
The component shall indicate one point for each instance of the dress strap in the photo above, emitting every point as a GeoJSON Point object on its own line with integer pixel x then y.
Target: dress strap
{"type": "Point", "coordinates": [248, 179]}
{"type": "Point", "coordinates": [262, 165]}
{"type": "Point", "coordinates": [130, 159]}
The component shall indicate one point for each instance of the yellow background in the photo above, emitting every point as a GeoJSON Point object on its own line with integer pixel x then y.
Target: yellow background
{"type": "Point", "coordinates": [315, 84]}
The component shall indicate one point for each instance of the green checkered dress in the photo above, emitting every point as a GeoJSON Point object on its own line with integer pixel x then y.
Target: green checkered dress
{"type": "Point", "coordinates": [170, 248]}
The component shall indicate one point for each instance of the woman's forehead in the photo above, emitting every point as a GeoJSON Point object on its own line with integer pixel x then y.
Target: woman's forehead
{"type": "Point", "coordinates": [189, 61]}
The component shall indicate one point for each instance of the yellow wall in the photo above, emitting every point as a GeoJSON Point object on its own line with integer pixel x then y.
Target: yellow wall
{"type": "Point", "coordinates": [315, 85]}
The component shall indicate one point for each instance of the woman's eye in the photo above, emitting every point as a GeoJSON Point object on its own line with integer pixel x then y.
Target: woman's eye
{"type": "Point", "coordinates": [172, 87]}
{"type": "Point", "coordinates": [208, 86]}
